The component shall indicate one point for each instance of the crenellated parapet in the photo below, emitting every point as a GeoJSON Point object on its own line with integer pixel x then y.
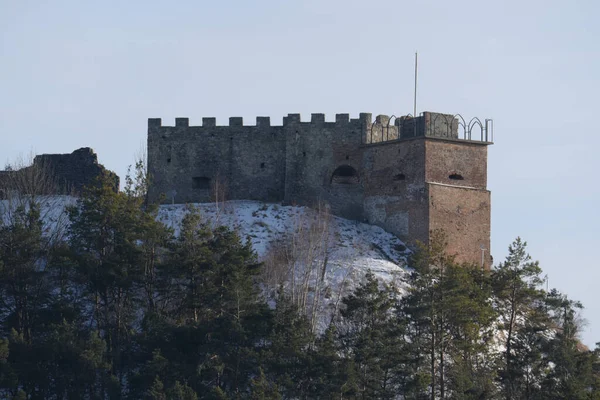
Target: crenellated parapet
{"type": "Point", "coordinates": [382, 129]}
{"type": "Point", "coordinates": [316, 119]}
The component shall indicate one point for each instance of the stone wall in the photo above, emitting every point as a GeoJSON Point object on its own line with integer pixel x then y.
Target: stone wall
{"type": "Point", "coordinates": [68, 173]}
{"type": "Point", "coordinates": [191, 163]}
{"type": "Point", "coordinates": [391, 172]}
{"type": "Point", "coordinates": [395, 196]}
{"type": "Point", "coordinates": [324, 163]}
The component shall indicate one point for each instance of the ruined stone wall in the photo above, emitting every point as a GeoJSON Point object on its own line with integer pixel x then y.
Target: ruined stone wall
{"type": "Point", "coordinates": [73, 172]}
{"type": "Point", "coordinates": [61, 173]}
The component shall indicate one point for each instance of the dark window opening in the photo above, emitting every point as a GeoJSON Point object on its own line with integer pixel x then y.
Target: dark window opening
{"type": "Point", "coordinates": [303, 154]}
{"type": "Point", "coordinates": [345, 175]}
{"type": "Point", "coordinates": [262, 164]}
{"type": "Point", "coordinates": [456, 177]}
{"type": "Point", "coordinates": [168, 160]}
{"type": "Point", "coordinates": [200, 182]}
{"type": "Point", "coordinates": [400, 177]}
{"type": "Point", "coordinates": [347, 157]}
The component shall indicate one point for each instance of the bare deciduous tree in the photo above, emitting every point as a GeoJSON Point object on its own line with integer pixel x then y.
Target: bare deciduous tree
{"type": "Point", "coordinates": [26, 182]}
{"type": "Point", "coordinates": [299, 264]}
{"type": "Point", "coordinates": [218, 195]}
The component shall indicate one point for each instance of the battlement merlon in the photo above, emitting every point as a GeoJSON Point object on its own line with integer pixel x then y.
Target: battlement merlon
{"type": "Point", "coordinates": [316, 119]}
{"type": "Point", "coordinates": [428, 124]}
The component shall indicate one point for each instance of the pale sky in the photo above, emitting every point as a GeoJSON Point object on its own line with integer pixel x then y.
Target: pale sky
{"type": "Point", "coordinates": [89, 74]}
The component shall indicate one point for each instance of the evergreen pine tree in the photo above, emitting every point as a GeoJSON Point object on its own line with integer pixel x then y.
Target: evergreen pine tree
{"type": "Point", "coordinates": [374, 339]}
{"type": "Point", "coordinates": [450, 323]}
{"type": "Point", "coordinates": [571, 375]}
{"type": "Point", "coordinates": [262, 389]}
{"type": "Point", "coordinates": [519, 304]}
{"type": "Point", "coordinates": [289, 357]}
{"type": "Point", "coordinates": [219, 319]}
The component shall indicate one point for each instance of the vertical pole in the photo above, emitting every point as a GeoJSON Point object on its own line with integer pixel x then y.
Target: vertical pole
{"type": "Point", "coordinates": [415, 99]}
{"type": "Point", "coordinates": [482, 257]}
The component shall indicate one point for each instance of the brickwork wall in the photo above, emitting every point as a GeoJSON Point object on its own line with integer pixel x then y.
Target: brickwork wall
{"type": "Point", "coordinates": [464, 214]}
{"type": "Point", "coordinates": [459, 159]}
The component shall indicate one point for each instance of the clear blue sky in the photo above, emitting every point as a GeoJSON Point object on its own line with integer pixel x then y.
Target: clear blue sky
{"type": "Point", "coordinates": [77, 74]}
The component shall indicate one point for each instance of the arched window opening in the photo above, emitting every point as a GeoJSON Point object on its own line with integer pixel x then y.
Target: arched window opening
{"type": "Point", "coordinates": [400, 177]}
{"type": "Point", "coordinates": [345, 175]}
{"type": "Point", "coordinates": [200, 182]}
{"type": "Point", "coordinates": [456, 177]}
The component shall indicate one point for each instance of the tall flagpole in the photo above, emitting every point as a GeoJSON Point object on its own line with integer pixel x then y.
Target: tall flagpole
{"type": "Point", "coordinates": [415, 100]}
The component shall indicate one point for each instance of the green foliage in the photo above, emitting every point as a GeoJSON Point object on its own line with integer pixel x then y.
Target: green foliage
{"type": "Point", "coordinates": [123, 309]}
{"type": "Point", "coordinates": [450, 324]}
{"type": "Point", "coordinates": [522, 315]}
{"type": "Point", "coordinates": [262, 389]}
{"type": "Point", "coordinates": [375, 340]}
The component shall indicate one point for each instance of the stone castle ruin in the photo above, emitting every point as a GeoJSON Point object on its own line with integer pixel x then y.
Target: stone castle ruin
{"type": "Point", "coordinates": [408, 175]}
{"type": "Point", "coordinates": [56, 174]}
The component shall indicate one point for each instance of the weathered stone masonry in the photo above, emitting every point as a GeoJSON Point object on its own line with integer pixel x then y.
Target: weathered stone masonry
{"type": "Point", "coordinates": [407, 175]}
{"type": "Point", "coordinates": [70, 173]}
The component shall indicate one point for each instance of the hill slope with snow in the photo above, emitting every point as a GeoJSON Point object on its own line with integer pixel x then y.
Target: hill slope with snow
{"type": "Point", "coordinates": [327, 255]}
{"type": "Point", "coordinates": [354, 246]}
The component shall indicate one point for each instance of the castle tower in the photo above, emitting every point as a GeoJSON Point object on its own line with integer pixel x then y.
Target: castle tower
{"type": "Point", "coordinates": [429, 173]}
{"type": "Point", "coordinates": [408, 175]}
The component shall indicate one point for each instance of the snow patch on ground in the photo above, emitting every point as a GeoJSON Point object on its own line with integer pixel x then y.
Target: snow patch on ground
{"type": "Point", "coordinates": [53, 212]}
{"type": "Point", "coordinates": [355, 247]}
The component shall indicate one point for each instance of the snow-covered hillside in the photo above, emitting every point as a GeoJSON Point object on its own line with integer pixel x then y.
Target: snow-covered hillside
{"type": "Point", "coordinates": [350, 248]}
{"type": "Point", "coordinates": [354, 247]}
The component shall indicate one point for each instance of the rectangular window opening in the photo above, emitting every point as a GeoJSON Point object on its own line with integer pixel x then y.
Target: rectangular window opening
{"type": "Point", "coordinates": [200, 182]}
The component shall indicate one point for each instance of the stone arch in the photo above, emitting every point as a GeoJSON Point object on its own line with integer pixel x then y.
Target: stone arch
{"type": "Point", "coordinates": [345, 175]}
